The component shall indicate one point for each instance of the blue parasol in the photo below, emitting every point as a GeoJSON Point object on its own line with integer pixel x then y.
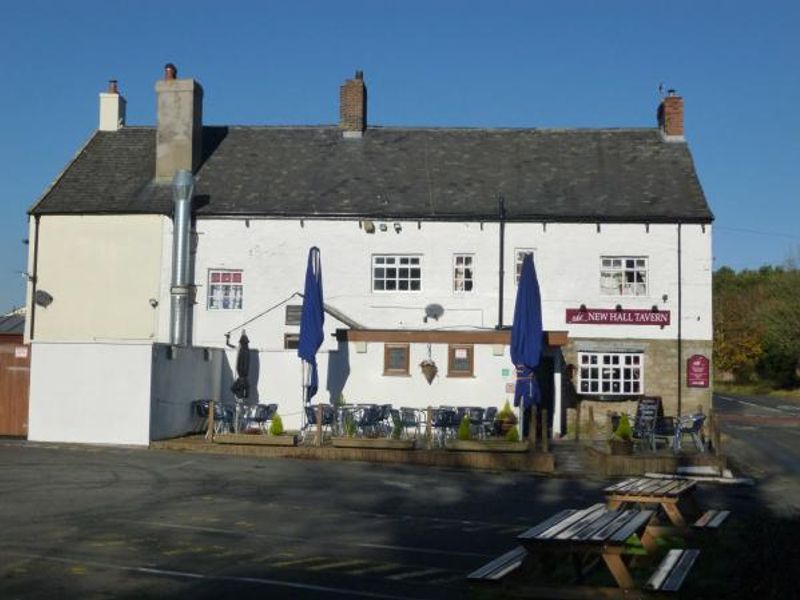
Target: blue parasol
{"type": "Point", "coordinates": [311, 321]}
{"type": "Point", "coordinates": [526, 335]}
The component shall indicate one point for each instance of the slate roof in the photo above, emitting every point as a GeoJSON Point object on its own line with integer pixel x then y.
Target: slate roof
{"type": "Point", "coordinates": [13, 324]}
{"type": "Point", "coordinates": [554, 175]}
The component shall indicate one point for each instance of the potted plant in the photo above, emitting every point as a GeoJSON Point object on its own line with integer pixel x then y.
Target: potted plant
{"type": "Point", "coordinates": [464, 432]}
{"type": "Point", "coordinates": [505, 419]}
{"type": "Point", "coordinates": [621, 441]}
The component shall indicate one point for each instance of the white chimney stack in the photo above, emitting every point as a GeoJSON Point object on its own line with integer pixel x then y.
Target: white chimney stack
{"type": "Point", "coordinates": [112, 108]}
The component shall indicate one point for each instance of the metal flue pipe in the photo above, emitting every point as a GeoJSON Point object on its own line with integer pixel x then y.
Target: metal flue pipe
{"type": "Point", "coordinates": [182, 192]}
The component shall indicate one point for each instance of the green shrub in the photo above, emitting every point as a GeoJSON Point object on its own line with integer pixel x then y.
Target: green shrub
{"type": "Point", "coordinates": [464, 429]}
{"type": "Point", "coordinates": [397, 429]}
{"type": "Point", "coordinates": [349, 427]}
{"type": "Point", "coordinates": [513, 434]}
{"type": "Point", "coordinates": [506, 413]}
{"type": "Point", "coordinates": [624, 431]}
{"type": "Point", "coordinates": [276, 427]}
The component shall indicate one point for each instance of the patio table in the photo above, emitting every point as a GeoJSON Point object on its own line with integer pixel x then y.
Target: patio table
{"type": "Point", "coordinates": [669, 494]}
{"type": "Point", "coordinates": [593, 532]}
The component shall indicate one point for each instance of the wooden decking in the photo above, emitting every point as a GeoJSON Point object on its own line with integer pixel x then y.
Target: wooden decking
{"type": "Point", "coordinates": [533, 462]}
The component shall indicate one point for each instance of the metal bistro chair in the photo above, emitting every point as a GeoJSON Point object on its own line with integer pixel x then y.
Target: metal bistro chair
{"type": "Point", "coordinates": [369, 421]}
{"type": "Point", "coordinates": [199, 415]}
{"type": "Point", "coordinates": [691, 425]}
{"type": "Point", "coordinates": [443, 423]}
{"type": "Point", "coordinates": [224, 417]}
{"type": "Point", "coordinates": [260, 416]}
{"type": "Point", "coordinates": [475, 414]}
{"type": "Point", "coordinates": [328, 419]}
{"type": "Point", "coordinates": [489, 416]}
{"type": "Point", "coordinates": [410, 419]}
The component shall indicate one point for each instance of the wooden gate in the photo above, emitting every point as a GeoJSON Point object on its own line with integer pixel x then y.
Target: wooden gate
{"type": "Point", "coordinates": [15, 362]}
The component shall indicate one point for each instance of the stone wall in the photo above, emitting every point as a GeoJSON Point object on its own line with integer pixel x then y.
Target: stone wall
{"type": "Point", "coordinates": [660, 379]}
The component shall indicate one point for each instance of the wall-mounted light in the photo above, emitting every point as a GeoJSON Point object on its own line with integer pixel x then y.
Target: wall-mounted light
{"type": "Point", "coordinates": [383, 227]}
{"type": "Point", "coordinates": [618, 307]}
{"type": "Point", "coordinates": [42, 298]}
{"type": "Point", "coordinates": [369, 226]}
{"type": "Point", "coordinates": [655, 308]}
{"type": "Point", "coordinates": [153, 302]}
{"type": "Point", "coordinates": [398, 228]}
{"type": "Point", "coordinates": [583, 308]}
{"type": "Point", "coordinates": [664, 298]}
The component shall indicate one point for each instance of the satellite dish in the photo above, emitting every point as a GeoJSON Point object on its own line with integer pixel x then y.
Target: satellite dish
{"type": "Point", "coordinates": [434, 311]}
{"type": "Point", "coordinates": [42, 298]}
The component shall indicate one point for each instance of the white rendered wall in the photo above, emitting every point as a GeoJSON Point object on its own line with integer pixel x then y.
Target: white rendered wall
{"type": "Point", "coordinates": [177, 382]}
{"type": "Point", "coordinates": [90, 393]}
{"type": "Point", "coordinates": [272, 255]}
{"type": "Point", "coordinates": [101, 272]}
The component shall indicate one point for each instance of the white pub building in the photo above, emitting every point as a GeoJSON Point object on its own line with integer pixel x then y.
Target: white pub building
{"type": "Point", "coordinates": [421, 232]}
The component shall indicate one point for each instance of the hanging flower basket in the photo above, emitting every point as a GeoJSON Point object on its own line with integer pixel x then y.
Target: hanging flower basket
{"type": "Point", "coordinates": [429, 370]}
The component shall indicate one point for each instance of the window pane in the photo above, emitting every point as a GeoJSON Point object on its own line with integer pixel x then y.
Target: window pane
{"type": "Point", "coordinates": [397, 359]}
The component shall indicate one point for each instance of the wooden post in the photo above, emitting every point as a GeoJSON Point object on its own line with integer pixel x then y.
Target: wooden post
{"type": "Point", "coordinates": [716, 438]}
{"type": "Point", "coordinates": [319, 424]}
{"type": "Point", "coordinates": [609, 423]}
{"type": "Point", "coordinates": [591, 424]}
{"type": "Point", "coordinates": [578, 421]}
{"type": "Point", "coordinates": [545, 432]}
{"type": "Point", "coordinates": [428, 433]}
{"type": "Point", "coordinates": [210, 432]}
{"type": "Point", "coordinates": [532, 426]}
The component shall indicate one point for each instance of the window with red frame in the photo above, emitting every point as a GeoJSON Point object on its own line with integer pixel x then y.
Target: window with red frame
{"type": "Point", "coordinates": [224, 289]}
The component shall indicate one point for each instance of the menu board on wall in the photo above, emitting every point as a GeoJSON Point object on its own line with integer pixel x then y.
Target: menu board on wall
{"type": "Point", "coordinates": [697, 371]}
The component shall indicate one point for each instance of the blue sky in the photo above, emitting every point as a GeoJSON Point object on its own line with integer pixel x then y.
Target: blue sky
{"type": "Point", "coordinates": [484, 64]}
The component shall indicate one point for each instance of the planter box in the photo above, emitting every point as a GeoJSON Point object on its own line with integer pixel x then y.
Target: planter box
{"type": "Point", "coordinates": [486, 446]}
{"type": "Point", "coordinates": [376, 443]}
{"type": "Point", "coordinates": [620, 447]}
{"type": "Point", "coordinates": [257, 439]}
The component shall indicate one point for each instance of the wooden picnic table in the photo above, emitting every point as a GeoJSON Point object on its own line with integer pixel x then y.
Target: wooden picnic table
{"type": "Point", "coordinates": [592, 532]}
{"type": "Point", "coordinates": [669, 494]}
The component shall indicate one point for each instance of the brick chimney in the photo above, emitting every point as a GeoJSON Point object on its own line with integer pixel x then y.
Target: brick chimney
{"type": "Point", "coordinates": [353, 106]}
{"type": "Point", "coordinates": [112, 108]}
{"type": "Point", "coordinates": [670, 117]}
{"type": "Point", "coordinates": [179, 137]}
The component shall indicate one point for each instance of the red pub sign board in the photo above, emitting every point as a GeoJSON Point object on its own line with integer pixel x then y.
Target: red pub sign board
{"type": "Point", "coordinates": [697, 370]}
{"type": "Point", "coordinates": [610, 316]}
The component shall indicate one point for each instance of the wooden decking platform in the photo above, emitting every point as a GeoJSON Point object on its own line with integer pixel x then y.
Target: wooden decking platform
{"type": "Point", "coordinates": [534, 462]}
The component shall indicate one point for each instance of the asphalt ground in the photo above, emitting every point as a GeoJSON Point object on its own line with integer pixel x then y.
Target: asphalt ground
{"type": "Point", "coordinates": [93, 522]}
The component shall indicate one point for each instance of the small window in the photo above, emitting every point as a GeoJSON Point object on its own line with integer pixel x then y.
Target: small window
{"type": "Point", "coordinates": [461, 361]}
{"type": "Point", "coordinates": [611, 373]}
{"type": "Point", "coordinates": [225, 289]}
{"type": "Point", "coordinates": [293, 313]}
{"type": "Point", "coordinates": [623, 275]}
{"type": "Point", "coordinates": [291, 341]}
{"type": "Point", "coordinates": [462, 273]}
{"type": "Point", "coordinates": [395, 359]}
{"type": "Point", "coordinates": [520, 254]}
{"type": "Point", "coordinates": [394, 273]}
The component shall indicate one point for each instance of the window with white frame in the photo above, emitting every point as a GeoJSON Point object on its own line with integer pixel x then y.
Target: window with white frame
{"type": "Point", "coordinates": [611, 373]}
{"type": "Point", "coordinates": [396, 273]}
{"type": "Point", "coordinates": [224, 289]}
{"type": "Point", "coordinates": [519, 255]}
{"type": "Point", "coordinates": [623, 275]}
{"type": "Point", "coordinates": [463, 272]}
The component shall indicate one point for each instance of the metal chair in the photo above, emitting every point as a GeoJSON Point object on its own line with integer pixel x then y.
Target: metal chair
{"type": "Point", "coordinates": [224, 417]}
{"type": "Point", "coordinates": [200, 415]}
{"type": "Point", "coordinates": [260, 416]}
{"type": "Point", "coordinates": [410, 419]}
{"type": "Point", "coordinates": [328, 419]}
{"type": "Point", "coordinates": [691, 425]}
{"type": "Point", "coordinates": [475, 415]}
{"type": "Point", "coordinates": [443, 423]}
{"type": "Point", "coordinates": [369, 420]}
{"type": "Point", "coordinates": [489, 416]}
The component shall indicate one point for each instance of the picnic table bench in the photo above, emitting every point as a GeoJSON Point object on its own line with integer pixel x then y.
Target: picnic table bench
{"type": "Point", "coordinates": [596, 534]}
{"type": "Point", "coordinates": [674, 496]}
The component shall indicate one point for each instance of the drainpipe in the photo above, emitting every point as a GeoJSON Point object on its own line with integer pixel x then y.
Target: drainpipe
{"type": "Point", "coordinates": [501, 205]}
{"type": "Point", "coordinates": [34, 274]}
{"type": "Point", "coordinates": [680, 323]}
{"type": "Point", "coordinates": [183, 188]}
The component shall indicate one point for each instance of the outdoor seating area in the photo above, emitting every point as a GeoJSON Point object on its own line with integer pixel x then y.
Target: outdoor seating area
{"type": "Point", "coordinates": [431, 427]}
{"type": "Point", "coordinates": [650, 427]}
{"type": "Point", "coordinates": [638, 539]}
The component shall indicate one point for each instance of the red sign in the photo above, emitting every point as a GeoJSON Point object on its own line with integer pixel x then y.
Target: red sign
{"type": "Point", "coordinates": [697, 370]}
{"type": "Point", "coordinates": [610, 316]}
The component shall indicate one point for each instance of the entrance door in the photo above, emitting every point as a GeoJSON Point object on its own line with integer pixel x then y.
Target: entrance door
{"type": "Point", "coordinates": [15, 362]}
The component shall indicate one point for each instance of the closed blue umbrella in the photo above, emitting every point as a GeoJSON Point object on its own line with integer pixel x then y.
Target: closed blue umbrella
{"type": "Point", "coordinates": [311, 320]}
{"type": "Point", "coordinates": [526, 335]}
